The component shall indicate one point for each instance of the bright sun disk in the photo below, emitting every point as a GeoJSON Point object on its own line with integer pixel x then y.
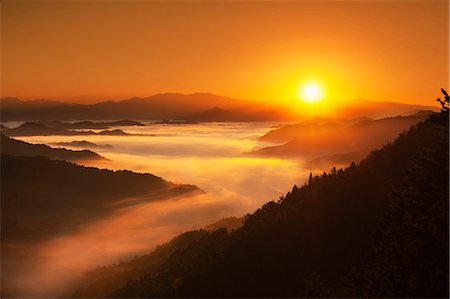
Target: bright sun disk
{"type": "Point", "coordinates": [311, 92]}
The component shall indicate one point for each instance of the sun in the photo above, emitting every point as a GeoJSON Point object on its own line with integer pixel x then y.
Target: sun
{"type": "Point", "coordinates": [311, 92]}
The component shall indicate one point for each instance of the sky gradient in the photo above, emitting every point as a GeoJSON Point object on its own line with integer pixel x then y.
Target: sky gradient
{"type": "Point", "coordinates": [100, 50]}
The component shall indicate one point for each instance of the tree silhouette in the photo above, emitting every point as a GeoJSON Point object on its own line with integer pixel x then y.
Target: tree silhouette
{"type": "Point", "coordinates": [445, 101]}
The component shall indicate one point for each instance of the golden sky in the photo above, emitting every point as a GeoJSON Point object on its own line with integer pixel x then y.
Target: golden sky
{"type": "Point", "coordinates": [87, 51]}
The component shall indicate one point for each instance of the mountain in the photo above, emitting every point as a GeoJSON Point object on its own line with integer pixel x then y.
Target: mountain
{"type": "Point", "coordinates": [376, 229]}
{"type": "Point", "coordinates": [181, 106]}
{"type": "Point", "coordinates": [115, 132]}
{"type": "Point", "coordinates": [321, 137]}
{"type": "Point", "coordinates": [229, 223]}
{"type": "Point", "coordinates": [340, 159]}
{"type": "Point", "coordinates": [375, 109]}
{"type": "Point", "coordinates": [82, 144]}
{"type": "Point", "coordinates": [16, 103]}
{"type": "Point", "coordinates": [90, 125]}
{"type": "Point", "coordinates": [10, 146]}
{"type": "Point", "coordinates": [160, 106]}
{"type": "Point", "coordinates": [44, 129]}
{"type": "Point", "coordinates": [213, 114]}
{"type": "Point", "coordinates": [35, 129]}
{"type": "Point", "coordinates": [46, 197]}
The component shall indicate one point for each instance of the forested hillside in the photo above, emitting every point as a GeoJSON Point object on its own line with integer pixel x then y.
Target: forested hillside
{"type": "Point", "coordinates": [375, 229]}
{"type": "Point", "coordinates": [43, 197]}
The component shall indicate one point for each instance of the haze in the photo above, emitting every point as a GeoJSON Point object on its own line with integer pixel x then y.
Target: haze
{"type": "Point", "coordinates": [211, 156]}
{"type": "Point", "coordinates": [92, 51]}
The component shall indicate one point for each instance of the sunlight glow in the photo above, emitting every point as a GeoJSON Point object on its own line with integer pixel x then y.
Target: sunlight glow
{"type": "Point", "coordinates": [311, 92]}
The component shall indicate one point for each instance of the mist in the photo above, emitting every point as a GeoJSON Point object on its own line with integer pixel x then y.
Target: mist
{"type": "Point", "coordinates": [211, 156]}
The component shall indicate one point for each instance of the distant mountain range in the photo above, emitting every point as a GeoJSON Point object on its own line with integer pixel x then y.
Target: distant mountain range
{"type": "Point", "coordinates": [352, 138]}
{"type": "Point", "coordinates": [193, 107]}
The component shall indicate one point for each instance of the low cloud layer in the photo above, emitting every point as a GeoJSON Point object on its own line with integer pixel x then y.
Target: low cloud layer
{"type": "Point", "coordinates": [210, 156]}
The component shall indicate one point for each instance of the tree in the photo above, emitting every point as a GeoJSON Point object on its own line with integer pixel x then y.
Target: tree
{"type": "Point", "coordinates": [445, 101]}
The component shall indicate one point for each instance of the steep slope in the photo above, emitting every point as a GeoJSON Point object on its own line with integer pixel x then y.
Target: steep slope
{"type": "Point", "coordinates": [316, 240]}
{"type": "Point", "coordinates": [10, 146]}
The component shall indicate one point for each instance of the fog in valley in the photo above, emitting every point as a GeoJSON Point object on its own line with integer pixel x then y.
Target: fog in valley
{"type": "Point", "coordinates": [212, 156]}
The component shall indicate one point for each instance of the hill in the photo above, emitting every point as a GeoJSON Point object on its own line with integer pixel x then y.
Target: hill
{"type": "Point", "coordinates": [43, 197]}
{"type": "Point", "coordinates": [376, 229]}
{"type": "Point", "coordinates": [81, 144]}
{"type": "Point", "coordinates": [322, 136]}
{"type": "Point", "coordinates": [45, 129]}
{"type": "Point", "coordinates": [10, 146]}
{"type": "Point", "coordinates": [378, 109]}
{"type": "Point", "coordinates": [81, 125]}
{"type": "Point", "coordinates": [230, 224]}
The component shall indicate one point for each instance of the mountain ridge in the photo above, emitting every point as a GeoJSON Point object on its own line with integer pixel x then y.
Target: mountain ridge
{"type": "Point", "coordinates": [178, 106]}
{"type": "Point", "coordinates": [322, 137]}
{"type": "Point", "coordinates": [14, 147]}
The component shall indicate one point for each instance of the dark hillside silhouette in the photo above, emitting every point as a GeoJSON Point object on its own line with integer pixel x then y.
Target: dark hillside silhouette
{"type": "Point", "coordinates": [10, 146]}
{"type": "Point", "coordinates": [375, 229]}
{"type": "Point", "coordinates": [229, 223]}
{"type": "Point", "coordinates": [43, 197]}
{"type": "Point", "coordinates": [46, 129]}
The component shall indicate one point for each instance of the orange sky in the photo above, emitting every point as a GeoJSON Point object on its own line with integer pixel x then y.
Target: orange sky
{"type": "Point", "coordinates": [96, 50]}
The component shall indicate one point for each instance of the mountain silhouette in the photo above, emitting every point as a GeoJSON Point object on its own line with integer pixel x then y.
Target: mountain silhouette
{"type": "Point", "coordinates": [213, 114]}
{"type": "Point", "coordinates": [375, 229]}
{"type": "Point", "coordinates": [46, 197]}
{"type": "Point", "coordinates": [181, 106]}
{"type": "Point", "coordinates": [322, 137]}
{"type": "Point", "coordinates": [81, 144]}
{"type": "Point", "coordinates": [378, 109]}
{"type": "Point", "coordinates": [10, 146]}
{"type": "Point", "coordinates": [160, 106]}
{"type": "Point", "coordinates": [229, 223]}
{"type": "Point", "coordinates": [90, 124]}
{"type": "Point", "coordinates": [42, 129]}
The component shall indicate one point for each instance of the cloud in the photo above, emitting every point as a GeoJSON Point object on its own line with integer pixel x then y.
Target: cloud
{"type": "Point", "coordinates": [209, 156]}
